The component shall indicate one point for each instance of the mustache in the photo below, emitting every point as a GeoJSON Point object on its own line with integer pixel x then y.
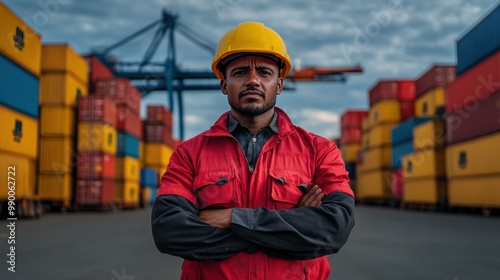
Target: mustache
{"type": "Point", "coordinates": [245, 92]}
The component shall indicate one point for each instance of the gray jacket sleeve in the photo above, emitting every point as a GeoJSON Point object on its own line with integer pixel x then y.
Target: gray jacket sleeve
{"type": "Point", "coordinates": [178, 231]}
{"type": "Point", "coordinates": [299, 233]}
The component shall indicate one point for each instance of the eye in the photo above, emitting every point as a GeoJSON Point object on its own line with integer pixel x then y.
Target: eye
{"type": "Point", "coordinates": [265, 72]}
{"type": "Point", "coordinates": [239, 72]}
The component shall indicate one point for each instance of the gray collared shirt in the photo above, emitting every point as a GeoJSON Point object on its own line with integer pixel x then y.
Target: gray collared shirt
{"type": "Point", "coordinates": [252, 144]}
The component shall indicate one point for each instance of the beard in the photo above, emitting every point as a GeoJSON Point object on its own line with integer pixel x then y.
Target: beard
{"type": "Point", "coordinates": [253, 109]}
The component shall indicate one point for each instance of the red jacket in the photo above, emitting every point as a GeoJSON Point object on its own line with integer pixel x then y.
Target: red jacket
{"type": "Point", "coordinates": [211, 171]}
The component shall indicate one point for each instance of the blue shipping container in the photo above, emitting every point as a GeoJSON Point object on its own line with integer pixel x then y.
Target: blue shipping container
{"type": "Point", "coordinates": [149, 178]}
{"type": "Point", "coordinates": [399, 151]}
{"type": "Point", "coordinates": [18, 88]}
{"type": "Point", "coordinates": [127, 145]}
{"type": "Point", "coordinates": [152, 198]}
{"type": "Point", "coordinates": [480, 42]}
{"type": "Point", "coordinates": [404, 131]}
{"type": "Point", "coordinates": [351, 168]}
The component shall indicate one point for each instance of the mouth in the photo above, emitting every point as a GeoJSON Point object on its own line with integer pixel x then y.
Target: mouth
{"type": "Point", "coordinates": [251, 94]}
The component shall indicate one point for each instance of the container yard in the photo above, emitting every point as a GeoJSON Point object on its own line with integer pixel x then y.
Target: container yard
{"type": "Point", "coordinates": [87, 142]}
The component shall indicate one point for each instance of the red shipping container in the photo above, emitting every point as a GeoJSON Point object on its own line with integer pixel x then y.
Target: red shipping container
{"type": "Point", "coordinates": [158, 134]}
{"type": "Point", "coordinates": [483, 120]}
{"type": "Point", "coordinates": [96, 166]}
{"type": "Point", "coordinates": [352, 119]}
{"type": "Point", "coordinates": [95, 192]}
{"type": "Point", "coordinates": [477, 83]}
{"type": "Point", "coordinates": [402, 90]}
{"type": "Point", "coordinates": [159, 114]}
{"type": "Point", "coordinates": [129, 121]}
{"type": "Point", "coordinates": [97, 109]}
{"type": "Point", "coordinates": [397, 184]}
{"type": "Point", "coordinates": [350, 136]}
{"type": "Point", "coordinates": [121, 91]}
{"type": "Point", "coordinates": [97, 70]}
{"type": "Point", "coordinates": [407, 110]}
{"type": "Point", "coordinates": [436, 76]}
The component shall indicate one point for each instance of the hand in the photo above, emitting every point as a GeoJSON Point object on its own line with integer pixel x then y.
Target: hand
{"type": "Point", "coordinates": [220, 218]}
{"type": "Point", "coordinates": [312, 197]}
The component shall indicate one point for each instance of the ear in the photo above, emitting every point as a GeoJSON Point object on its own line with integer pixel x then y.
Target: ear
{"type": "Point", "coordinates": [223, 86]}
{"type": "Point", "coordinates": [279, 89]}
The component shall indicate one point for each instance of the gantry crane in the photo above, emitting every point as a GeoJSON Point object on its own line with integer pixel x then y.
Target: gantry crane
{"type": "Point", "coordinates": [150, 76]}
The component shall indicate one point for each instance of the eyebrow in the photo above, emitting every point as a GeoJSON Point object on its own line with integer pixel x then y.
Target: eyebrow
{"type": "Point", "coordinates": [248, 67]}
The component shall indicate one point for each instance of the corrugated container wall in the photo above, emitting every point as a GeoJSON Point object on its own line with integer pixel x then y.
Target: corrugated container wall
{"type": "Point", "coordinates": [401, 90]}
{"type": "Point", "coordinates": [18, 133]}
{"type": "Point", "coordinates": [62, 58]}
{"type": "Point", "coordinates": [25, 175]}
{"type": "Point", "coordinates": [96, 70]}
{"type": "Point", "coordinates": [59, 88]}
{"type": "Point", "coordinates": [434, 77]}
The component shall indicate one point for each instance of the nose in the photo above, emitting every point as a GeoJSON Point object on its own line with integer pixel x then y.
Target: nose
{"type": "Point", "coordinates": [252, 78]}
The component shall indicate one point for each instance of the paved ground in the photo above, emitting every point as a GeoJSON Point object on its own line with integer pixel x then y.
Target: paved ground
{"type": "Point", "coordinates": [385, 244]}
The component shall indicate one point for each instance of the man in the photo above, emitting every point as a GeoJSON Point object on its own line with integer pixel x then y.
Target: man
{"type": "Point", "coordinates": [253, 197]}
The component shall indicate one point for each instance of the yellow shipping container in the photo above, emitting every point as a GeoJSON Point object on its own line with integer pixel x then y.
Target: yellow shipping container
{"type": "Point", "coordinates": [127, 168]}
{"type": "Point", "coordinates": [424, 164]}
{"type": "Point", "coordinates": [157, 154]}
{"type": "Point", "coordinates": [425, 191]}
{"type": "Point", "coordinates": [429, 135]}
{"type": "Point", "coordinates": [376, 158]}
{"type": "Point", "coordinates": [127, 193]}
{"type": "Point", "coordinates": [384, 111]}
{"type": "Point", "coordinates": [56, 188]}
{"type": "Point", "coordinates": [479, 156]}
{"type": "Point", "coordinates": [475, 191]}
{"type": "Point", "coordinates": [145, 195]}
{"type": "Point", "coordinates": [365, 124]}
{"type": "Point", "coordinates": [380, 134]}
{"type": "Point", "coordinates": [57, 155]}
{"type": "Point", "coordinates": [62, 58]}
{"type": "Point", "coordinates": [374, 184]}
{"type": "Point", "coordinates": [61, 89]}
{"type": "Point", "coordinates": [18, 172]}
{"type": "Point", "coordinates": [57, 121]}
{"type": "Point", "coordinates": [97, 137]}
{"type": "Point", "coordinates": [19, 42]}
{"type": "Point", "coordinates": [18, 133]}
{"type": "Point", "coordinates": [427, 103]}
{"type": "Point", "coordinates": [160, 170]}
{"type": "Point", "coordinates": [349, 152]}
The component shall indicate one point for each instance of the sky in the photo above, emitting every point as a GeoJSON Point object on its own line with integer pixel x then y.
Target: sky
{"type": "Point", "coordinates": [390, 39]}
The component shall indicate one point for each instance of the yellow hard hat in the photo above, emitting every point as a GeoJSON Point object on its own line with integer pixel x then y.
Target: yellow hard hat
{"type": "Point", "coordinates": [251, 38]}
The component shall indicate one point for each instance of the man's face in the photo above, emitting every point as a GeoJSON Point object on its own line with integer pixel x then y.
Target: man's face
{"type": "Point", "coordinates": [251, 85]}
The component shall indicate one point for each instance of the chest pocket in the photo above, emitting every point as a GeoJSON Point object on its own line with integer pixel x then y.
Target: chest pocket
{"type": "Point", "coordinates": [285, 189]}
{"type": "Point", "coordinates": [215, 190]}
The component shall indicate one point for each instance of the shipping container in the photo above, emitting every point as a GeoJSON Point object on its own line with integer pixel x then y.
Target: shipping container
{"type": "Point", "coordinates": [149, 178]}
{"type": "Point", "coordinates": [157, 155]}
{"type": "Point", "coordinates": [128, 145]}
{"type": "Point", "coordinates": [56, 190]}
{"type": "Point", "coordinates": [61, 58]}
{"type": "Point", "coordinates": [148, 195]}
{"type": "Point", "coordinates": [399, 90]}
{"type": "Point", "coordinates": [484, 120]}
{"type": "Point", "coordinates": [427, 191]}
{"type": "Point", "coordinates": [407, 110]}
{"type": "Point", "coordinates": [96, 137]}
{"type": "Point", "coordinates": [437, 76]}
{"type": "Point", "coordinates": [475, 191]}
{"type": "Point", "coordinates": [97, 109]}
{"type": "Point", "coordinates": [351, 119]}
{"type": "Point", "coordinates": [351, 136]}
{"type": "Point", "coordinates": [430, 103]}
{"type": "Point", "coordinates": [20, 43]}
{"type": "Point", "coordinates": [479, 42]}
{"type": "Point", "coordinates": [96, 166]}
{"type": "Point", "coordinates": [160, 170]}
{"type": "Point", "coordinates": [158, 134]}
{"type": "Point", "coordinates": [380, 134]}
{"type": "Point", "coordinates": [20, 172]}
{"type": "Point", "coordinates": [100, 193]}
{"type": "Point", "coordinates": [57, 155]}
{"type": "Point", "coordinates": [479, 156]}
{"type": "Point", "coordinates": [377, 158]}
{"type": "Point", "coordinates": [478, 83]}
{"type": "Point", "coordinates": [385, 111]}
{"type": "Point", "coordinates": [397, 186]}
{"type": "Point", "coordinates": [128, 169]}
{"type": "Point", "coordinates": [365, 123]}
{"type": "Point", "coordinates": [141, 151]}
{"type": "Point", "coordinates": [18, 133]}
{"type": "Point", "coordinates": [365, 140]}
{"type": "Point", "coordinates": [374, 184]}
{"type": "Point", "coordinates": [349, 152]}
{"type": "Point", "coordinates": [96, 70]}
{"type": "Point", "coordinates": [404, 131]}
{"type": "Point", "coordinates": [430, 135]}
{"type": "Point", "coordinates": [59, 88]}
{"type": "Point", "coordinates": [128, 121]}
{"type": "Point", "coordinates": [121, 91]}
{"type": "Point", "coordinates": [424, 164]}
{"type": "Point", "coordinates": [399, 151]}
{"type": "Point", "coordinates": [127, 193]}
{"type": "Point", "coordinates": [351, 168]}
{"type": "Point", "coordinates": [57, 120]}
{"type": "Point", "coordinates": [18, 88]}
{"type": "Point", "coordinates": [158, 114]}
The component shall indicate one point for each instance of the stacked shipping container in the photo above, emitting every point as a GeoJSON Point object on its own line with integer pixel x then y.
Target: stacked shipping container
{"type": "Point", "coordinates": [20, 61]}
